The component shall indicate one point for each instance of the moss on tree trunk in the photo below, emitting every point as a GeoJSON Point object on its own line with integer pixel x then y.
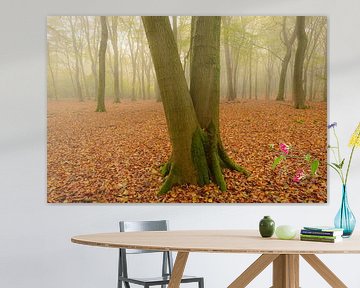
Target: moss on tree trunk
{"type": "Point", "coordinates": [192, 116]}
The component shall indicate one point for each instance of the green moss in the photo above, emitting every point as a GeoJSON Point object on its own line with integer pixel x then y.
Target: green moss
{"type": "Point", "coordinates": [229, 163]}
{"type": "Point", "coordinates": [198, 156]}
{"type": "Point", "coordinates": [165, 169]}
{"type": "Point", "coordinates": [170, 181]}
{"type": "Point", "coordinates": [168, 184]}
{"type": "Point", "coordinates": [214, 158]}
{"type": "Point", "coordinates": [217, 171]}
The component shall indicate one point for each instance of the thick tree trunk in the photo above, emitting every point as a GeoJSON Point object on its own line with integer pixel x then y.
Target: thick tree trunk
{"type": "Point", "coordinates": [298, 83]}
{"type": "Point", "coordinates": [205, 93]}
{"type": "Point", "coordinates": [193, 121]}
{"type": "Point", "coordinates": [114, 42]}
{"type": "Point", "coordinates": [179, 110]}
{"type": "Point", "coordinates": [285, 62]}
{"type": "Point", "coordinates": [175, 30]}
{"type": "Point", "coordinates": [102, 54]}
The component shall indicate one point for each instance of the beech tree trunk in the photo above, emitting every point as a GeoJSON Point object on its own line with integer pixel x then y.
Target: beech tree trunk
{"type": "Point", "coordinates": [52, 77]}
{"type": "Point", "coordinates": [231, 95]}
{"type": "Point", "coordinates": [85, 22]}
{"type": "Point", "coordinates": [285, 62]}
{"type": "Point", "coordinates": [114, 42]}
{"type": "Point", "coordinates": [102, 54]}
{"type": "Point", "coordinates": [175, 30]}
{"type": "Point", "coordinates": [298, 83]}
{"type": "Point", "coordinates": [179, 110]}
{"type": "Point", "coordinates": [325, 72]}
{"type": "Point", "coordinates": [77, 62]}
{"type": "Point", "coordinates": [192, 117]}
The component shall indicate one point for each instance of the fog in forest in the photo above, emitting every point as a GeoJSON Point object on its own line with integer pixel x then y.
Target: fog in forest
{"type": "Point", "coordinates": [253, 50]}
{"type": "Point", "coordinates": [187, 109]}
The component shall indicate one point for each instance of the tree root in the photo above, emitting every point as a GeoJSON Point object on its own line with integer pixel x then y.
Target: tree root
{"type": "Point", "coordinates": [209, 158]}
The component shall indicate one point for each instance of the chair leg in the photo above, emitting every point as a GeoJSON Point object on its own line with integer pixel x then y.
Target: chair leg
{"type": "Point", "coordinates": [201, 283]}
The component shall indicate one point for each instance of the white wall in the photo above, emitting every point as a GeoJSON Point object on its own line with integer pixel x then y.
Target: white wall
{"type": "Point", "coordinates": [35, 248]}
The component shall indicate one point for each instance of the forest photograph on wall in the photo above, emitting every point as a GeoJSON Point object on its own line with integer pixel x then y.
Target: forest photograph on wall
{"type": "Point", "coordinates": [187, 109]}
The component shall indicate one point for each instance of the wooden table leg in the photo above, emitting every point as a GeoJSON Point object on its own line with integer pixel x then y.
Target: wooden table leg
{"type": "Point", "coordinates": [253, 270]}
{"type": "Point", "coordinates": [178, 269]}
{"type": "Point", "coordinates": [286, 271]}
{"type": "Point", "coordinates": [324, 271]}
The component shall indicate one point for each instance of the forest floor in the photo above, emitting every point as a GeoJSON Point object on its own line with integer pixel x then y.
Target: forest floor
{"type": "Point", "coordinates": [116, 156]}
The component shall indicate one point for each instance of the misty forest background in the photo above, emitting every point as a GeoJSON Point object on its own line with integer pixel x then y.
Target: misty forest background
{"type": "Point", "coordinates": [272, 89]}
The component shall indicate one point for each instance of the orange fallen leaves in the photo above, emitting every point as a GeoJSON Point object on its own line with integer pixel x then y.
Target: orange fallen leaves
{"type": "Point", "coordinates": [115, 157]}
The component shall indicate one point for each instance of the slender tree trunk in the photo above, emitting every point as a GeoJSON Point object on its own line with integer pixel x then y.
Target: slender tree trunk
{"type": "Point", "coordinates": [83, 74]}
{"type": "Point", "coordinates": [269, 70]}
{"type": "Point", "coordinates": [86, 26]}
{"type": "Point", "coordinates": [256, 80]}
{"type": "Point", "coordinates": [122, 89]}
{"type": "Point", "coordinates": [311, 86]}
{"type": "Point", "coordinates": [148, 79]}
{"type": "Point", "coordinates": [244, 83]}
{"type": "Point", "coordinates": [70, 71]}
{"type": "Point", "coordinates": [52, 77]}
{"type": "Point", "coordinates": [298, 81]}
{"type": "Point", "coordinates": [250, 74]}
{"type": "Point", "coordinates": [114, 42]}
{"type": "Point", "coordinates": [102, 55]}
{"type": "Point", "coordinates": [142, 52]}
{"type": "Point", "coordinates": [229, 69]}
{"type": "Point", "coordinates": [235, 71]}
{"type": "Point", "coordinates": [325, 73]}
{"type": "Point", "coordinates": [77, 64]}
{"type": "Point", "coordinates": [192, 121]}
{"type": "Point", "coordinates": [134, 55]}
{"type": "Point", "coordinates": [285, 62]}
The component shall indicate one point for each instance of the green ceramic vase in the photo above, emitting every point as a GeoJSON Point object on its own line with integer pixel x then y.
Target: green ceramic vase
{"type": "Point", "coordinates": [266, 227]}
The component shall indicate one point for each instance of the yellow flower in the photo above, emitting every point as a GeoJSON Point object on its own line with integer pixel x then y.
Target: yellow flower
{"type": "Point", "coordinates": [355, 138]}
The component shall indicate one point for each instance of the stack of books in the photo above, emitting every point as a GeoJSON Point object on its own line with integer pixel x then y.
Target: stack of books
{"type": "Point", "coordinates": [321, 234]}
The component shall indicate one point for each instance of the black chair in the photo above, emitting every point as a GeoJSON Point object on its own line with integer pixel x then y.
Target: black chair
{"type": "Point", "coordinates": [167, 262]}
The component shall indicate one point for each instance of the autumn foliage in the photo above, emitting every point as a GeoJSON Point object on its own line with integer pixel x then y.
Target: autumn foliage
{"type": "Point", "coordinates": [116, 157]}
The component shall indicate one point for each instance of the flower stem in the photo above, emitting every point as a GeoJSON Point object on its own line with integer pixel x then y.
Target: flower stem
{"type": "Point", "coordinates": [339, 156]}
{"type": "Point", "coordinates": [350, 159]}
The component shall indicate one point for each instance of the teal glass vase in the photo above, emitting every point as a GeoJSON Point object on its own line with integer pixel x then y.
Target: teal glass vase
{"type": "Point", "coordinates": [345, 219]}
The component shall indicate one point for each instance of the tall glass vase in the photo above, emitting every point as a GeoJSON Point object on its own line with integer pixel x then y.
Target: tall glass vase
{"type": "Point", "coordinates": [345, 219]}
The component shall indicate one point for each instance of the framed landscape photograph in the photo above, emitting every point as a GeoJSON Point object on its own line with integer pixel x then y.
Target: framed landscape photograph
{"type": "Point", "coordinates": [187, 109]}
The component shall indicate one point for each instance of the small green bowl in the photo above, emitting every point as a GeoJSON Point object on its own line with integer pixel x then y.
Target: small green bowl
{"type": "Point", "coordinates": [285, 232]}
